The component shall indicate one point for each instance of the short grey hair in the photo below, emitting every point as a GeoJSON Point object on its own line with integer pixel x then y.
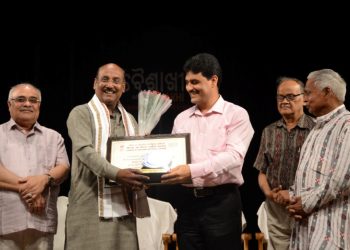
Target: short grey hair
{"type": "Point", "coordinates": [329, 78]}
{"type": "Point", "coordinates": [23, 84]}
{"type": "Point", "coordinates": [282, 79]}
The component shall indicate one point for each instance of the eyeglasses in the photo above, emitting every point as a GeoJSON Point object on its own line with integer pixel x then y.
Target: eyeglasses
{"type": "Point", "coordinates": [23, 99]}
{"type": "Point", "coordinates": [289, 97]}
{"type": "Point", "coordinates": [114, 80]}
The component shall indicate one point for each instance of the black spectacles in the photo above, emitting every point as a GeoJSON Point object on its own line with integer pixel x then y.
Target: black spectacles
{"type": "Point", "coordinates": [23, 99]}
{"type": "Point", "coordinates": [289, 97]}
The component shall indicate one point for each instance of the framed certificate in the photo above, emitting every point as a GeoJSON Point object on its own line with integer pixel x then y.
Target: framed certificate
{"type": "Point", "coordinates": [154, 155]}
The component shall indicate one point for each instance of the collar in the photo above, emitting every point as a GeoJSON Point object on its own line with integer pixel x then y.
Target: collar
{"type": "Point", "coordinates": [304, 122]}
{"type": "Point", "coordinates": [13, 125]}
{"type": "Point", "coordinates": [218, 107]}
{"type": "Point", "coordinates": [327, 117]}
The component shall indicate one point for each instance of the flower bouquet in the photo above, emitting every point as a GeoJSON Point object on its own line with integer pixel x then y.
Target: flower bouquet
{"type": "Point", "coordinates": [152, 105]}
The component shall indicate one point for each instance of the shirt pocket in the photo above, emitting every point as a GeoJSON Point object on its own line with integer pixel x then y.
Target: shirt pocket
{"type": "Point", "coordinates": [45, 156]}
{"type": "Point", "coordinates": [14, 156]}
{"type": "Point", "coordinates": [216, 139]}
{"type": "Point", "coordinates": [320, 172]}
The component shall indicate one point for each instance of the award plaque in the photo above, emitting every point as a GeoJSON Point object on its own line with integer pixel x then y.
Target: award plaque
{"type": "Point", "coordinates": [154, 155]}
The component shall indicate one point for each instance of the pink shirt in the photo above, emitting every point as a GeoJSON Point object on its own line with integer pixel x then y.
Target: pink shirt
{"type": "Point", "coordinates": [29, 154]}
{"type": "Point", "coordinates": [219, 142]}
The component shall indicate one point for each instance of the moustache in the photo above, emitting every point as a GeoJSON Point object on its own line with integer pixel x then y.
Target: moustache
{"type": "Point", "coordinates": [26, 109]}
{"type": "Point", "coordinates": [284, 106]}
{"type": "Point", "coordinates": [107, 89]}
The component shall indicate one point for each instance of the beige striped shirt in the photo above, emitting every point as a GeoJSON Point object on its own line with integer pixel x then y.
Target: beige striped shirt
{"type": "Point", "coordinates": [323, 182]}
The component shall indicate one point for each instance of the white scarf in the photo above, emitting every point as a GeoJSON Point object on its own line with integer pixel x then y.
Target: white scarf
{"type": "Point", "coordinates": [112, 201]}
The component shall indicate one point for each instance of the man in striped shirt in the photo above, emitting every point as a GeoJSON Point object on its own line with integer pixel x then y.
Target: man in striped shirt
{"type": "Point", "coordinates": [320, 196]}
{"type": "Point", "coordinates": [278, 157]}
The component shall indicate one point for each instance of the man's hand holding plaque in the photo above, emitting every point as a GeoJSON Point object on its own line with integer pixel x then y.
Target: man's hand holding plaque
{"type": "Point", "coordinates": [132, 178]}
{"type": "Point", "coordinates": [178, 175]}
{"type": "Point", "coordinates": [155, 163]}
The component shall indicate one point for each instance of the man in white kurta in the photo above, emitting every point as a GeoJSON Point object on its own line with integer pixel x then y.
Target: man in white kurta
{"type": "Point", "coordinates": [322, 183]}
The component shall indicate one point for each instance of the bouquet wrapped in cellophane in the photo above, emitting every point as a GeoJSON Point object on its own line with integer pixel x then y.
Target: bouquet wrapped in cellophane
{"type": "Point", "coordinates": [152, 105]}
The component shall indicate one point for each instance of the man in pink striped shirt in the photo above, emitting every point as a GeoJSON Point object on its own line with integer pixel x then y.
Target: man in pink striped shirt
{"type": "Point", "coordinates": [33, 162]}
{"type": "Point", "coordinates": [209, 216]}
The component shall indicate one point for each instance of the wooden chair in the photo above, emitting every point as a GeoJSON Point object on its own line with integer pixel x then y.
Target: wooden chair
{"type": "Point", "coordinates": [261, 240]}
{"type": "Point", "coordinates": [168, 239]}
{"type": "Point", "coordinates": [246, 237]}
{"type": "Point", "coordinates": [171, 238]}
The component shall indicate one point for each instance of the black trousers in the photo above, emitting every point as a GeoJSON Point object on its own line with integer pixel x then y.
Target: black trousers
{"type": "Point", "coordinates": [212, 221]}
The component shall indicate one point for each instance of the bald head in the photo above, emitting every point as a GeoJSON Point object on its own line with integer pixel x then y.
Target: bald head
{"type": "Point", "coordinates": [110, 66]}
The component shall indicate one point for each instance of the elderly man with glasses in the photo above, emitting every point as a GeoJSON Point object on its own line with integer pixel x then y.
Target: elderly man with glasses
{"type": "Point", "coordinates": [278, 157]}
{"type": "Point", "coordinates": [33, 162]}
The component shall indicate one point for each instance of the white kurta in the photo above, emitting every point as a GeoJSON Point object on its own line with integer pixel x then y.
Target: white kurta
{"type": "Point", "coordinates": [323, 182]}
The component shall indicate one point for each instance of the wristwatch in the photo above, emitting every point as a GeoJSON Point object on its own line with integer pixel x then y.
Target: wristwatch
{"type": "Point", "coordinates": [51, 181]}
